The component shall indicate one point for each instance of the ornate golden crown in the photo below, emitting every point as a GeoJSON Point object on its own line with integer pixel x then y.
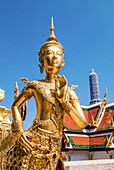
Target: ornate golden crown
{"type": "Point", "coordinates": [52, 40]}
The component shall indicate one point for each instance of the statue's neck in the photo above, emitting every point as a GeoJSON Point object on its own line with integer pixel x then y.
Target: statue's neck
{"type": "Point", "coordinates": [50, 77]}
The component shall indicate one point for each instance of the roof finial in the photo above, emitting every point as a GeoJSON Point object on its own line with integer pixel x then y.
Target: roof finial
{"type": "Point", "coordinates": [52, 35]}
{"type": "Point", "coordinates": [92, 70]}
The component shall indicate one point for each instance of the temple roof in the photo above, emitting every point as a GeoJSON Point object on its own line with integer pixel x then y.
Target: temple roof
{"type": "Point", "coordinates": [97, 137]}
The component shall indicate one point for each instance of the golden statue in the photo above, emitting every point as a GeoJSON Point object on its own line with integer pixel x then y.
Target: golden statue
{"type": "Point", "coordinates": [39, 147]}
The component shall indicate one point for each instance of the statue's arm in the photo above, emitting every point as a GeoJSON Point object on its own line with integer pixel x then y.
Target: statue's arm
{"type": "Point", "coordinates": [73, 108]}
{"type": "Point", "coordinates": [69, 101]}
{"type": "Point", "coordinates": [25, 94]}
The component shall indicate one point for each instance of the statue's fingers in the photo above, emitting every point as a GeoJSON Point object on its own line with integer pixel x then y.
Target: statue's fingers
{"type": "Point", "coordinates": [58, 78]}
{"type": "Point", "coordinates": [25, 149]}
{"type": "Point", "coordinates": [26, 140]}
{"type": "Point", "coordinates": [61, 78]}
{"type": "Point", "coordinates": [65, 80]}
{"type": "Point", "coordinates": [56, 82]}
{"type": "Point", "coordinates": [58, 92]}
{"type": "Point", "coordinates": [25, 145]}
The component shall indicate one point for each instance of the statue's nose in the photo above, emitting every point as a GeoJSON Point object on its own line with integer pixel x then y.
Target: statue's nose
{"type": "Point", "coordinates": [54, 57]}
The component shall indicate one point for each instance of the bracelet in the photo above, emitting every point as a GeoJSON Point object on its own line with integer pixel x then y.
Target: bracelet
{"type": "Point", "coordinates": [74, 100]}
{"type": "Point", "coordinates": [16, 126]}
{"type": "Point", "coordinates": [26, 93]}
{"type": "Point", "coordinates": [66, 106]}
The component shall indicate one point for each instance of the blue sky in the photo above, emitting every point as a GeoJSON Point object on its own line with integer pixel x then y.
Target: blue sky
{"type": "Point", "coordinates": [84, 27]}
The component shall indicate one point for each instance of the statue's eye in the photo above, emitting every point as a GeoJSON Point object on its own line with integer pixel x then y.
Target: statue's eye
{"type": "Point", "coordinates": [58, 53]}
{"type": "Point", "coordinates": [49, 52]}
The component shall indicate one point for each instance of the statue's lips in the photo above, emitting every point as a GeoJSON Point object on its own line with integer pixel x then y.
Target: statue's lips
{"type": "Point", "coordinates": [54, 61]}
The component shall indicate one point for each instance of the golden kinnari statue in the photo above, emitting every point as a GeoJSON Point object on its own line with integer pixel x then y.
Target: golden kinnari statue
{"type": "Point", "coordinates": [39, 147]}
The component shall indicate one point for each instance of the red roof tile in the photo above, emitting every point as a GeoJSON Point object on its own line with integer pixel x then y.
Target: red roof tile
{"type": "Point", "coordinates": [90, 141]}
{"type": "Point", "coordinates": [92, 113]}
{"type": "Point", "coordinates": [80, 140]}
{"type": "Point", "coordinates": [70, 124]}
{"type": "Point", "coordinates": [106, 120]}
{"type": "Point", "coordinates": [97, 140]}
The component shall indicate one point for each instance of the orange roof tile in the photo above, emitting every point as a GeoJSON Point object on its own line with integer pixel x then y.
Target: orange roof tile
{"type": "Point", "coordinates": [97, 140]}
{"type": "Point", "coordinates": [80, 140]}
{"type": "Point", "coordinates": [90, 141]}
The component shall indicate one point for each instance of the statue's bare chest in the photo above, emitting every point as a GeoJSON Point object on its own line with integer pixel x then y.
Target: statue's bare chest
{"type": "Point", "coordinates": [46, 91]}
{"type": "Point", "coordinates": [45, 95]}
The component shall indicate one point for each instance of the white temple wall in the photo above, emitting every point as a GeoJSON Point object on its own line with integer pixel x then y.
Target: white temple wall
{"type": "Point", "coordinates": [78, 156]}
{"type": "Point", "coordinates": [102, 155]}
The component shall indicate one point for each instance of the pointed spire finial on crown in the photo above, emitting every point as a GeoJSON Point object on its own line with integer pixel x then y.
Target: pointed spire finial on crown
{"type": "Point", "coordinates": [52, 26]}
{"type": "Point", "coordinates": [52, 35]}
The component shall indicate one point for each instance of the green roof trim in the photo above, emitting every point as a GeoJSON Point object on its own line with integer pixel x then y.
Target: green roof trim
{"type": "Point", "coordinates": [110, 108]}
{"type": "Point", "coordinates": [84, 109]}
{"type": "Point", "coordinates": [72, 130]}
{"type": "Point", "coordinates": [97, 107]}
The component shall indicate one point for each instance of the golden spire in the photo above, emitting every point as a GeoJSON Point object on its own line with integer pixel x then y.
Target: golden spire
{"type": "Point", "coordinates": [52, 35]}
{"type": "Point", "coordinates": [92, 70]}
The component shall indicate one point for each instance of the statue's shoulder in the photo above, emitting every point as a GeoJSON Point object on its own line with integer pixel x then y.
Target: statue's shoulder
{"type": "Point", "coordinates": [32, 83]}
{"type": "Point", "coordinates": [28, 83]}
{"type": "Point", "coordinates": [37, 83]}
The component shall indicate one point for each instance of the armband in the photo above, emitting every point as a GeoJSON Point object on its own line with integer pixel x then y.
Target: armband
{"type": "Point", "coordinates": [16, 126]}
{"type": "Point", "coordinates": [26, 94]}
{"type": "Point", "coordinates": [66, 106]}
{"type": "Point", "coordinates": [74, 100]}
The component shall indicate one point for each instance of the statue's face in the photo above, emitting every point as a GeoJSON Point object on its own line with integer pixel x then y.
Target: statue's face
{"type": "Point", "coordinates": [53, 59]}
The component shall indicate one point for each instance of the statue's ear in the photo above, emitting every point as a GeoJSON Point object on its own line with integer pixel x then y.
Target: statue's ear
{"type": "Point", "coordinates": [63, 62]}
{"type": "Point", "coordinates": [39, 53]}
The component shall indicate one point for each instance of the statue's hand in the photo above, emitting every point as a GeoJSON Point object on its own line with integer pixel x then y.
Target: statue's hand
{"type": "Point", "coordinates": [61, 88]}
{"type": "Point", "coordinates": [23, 141]}
{"type": "Point", "coordinates": [17, 127]}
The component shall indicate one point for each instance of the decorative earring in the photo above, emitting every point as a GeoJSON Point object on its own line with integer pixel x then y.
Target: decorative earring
{"type": "Point", "coordinates": [41, 68]}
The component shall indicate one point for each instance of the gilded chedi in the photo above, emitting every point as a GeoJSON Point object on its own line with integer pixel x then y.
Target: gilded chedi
{"type": "Point", "coordinates": [39, 147]}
